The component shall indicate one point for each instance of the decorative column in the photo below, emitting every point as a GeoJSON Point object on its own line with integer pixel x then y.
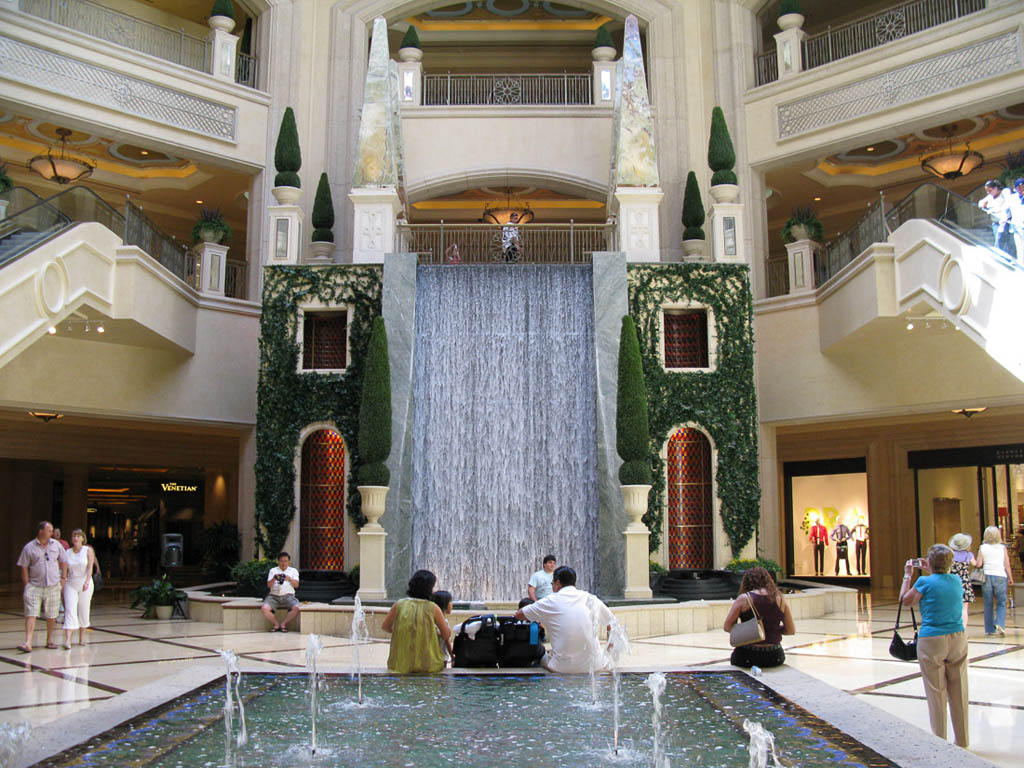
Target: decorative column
{"type": "Point", "coordinates": [213, 260]}
{"type": "Point", "coordinates": [638, 222]}
{"type": "Point", "coordinates": [604, 83]}
{"type": "Point", "coordinates": [638, 580]}
{"type": "Point", "coordinates": [789, 51]}
{"type": "Point", "coordinates": [285, 233]}
{"type": "Point", "coordinates": [375, 224]}
{"type": "Point", "coordinates": [224, 47]}
{"type": "Point", "coordinates": [726, 220]}
{"type": "Point", "coordinates": [372, 538]}
{"type": "Point", "coordinates": [410, 82]}
{"type": "Point", "coordinates": [801, 265]}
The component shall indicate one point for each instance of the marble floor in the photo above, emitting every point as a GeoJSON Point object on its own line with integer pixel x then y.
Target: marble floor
{"type": "Point", "coordinates": [846, 651]}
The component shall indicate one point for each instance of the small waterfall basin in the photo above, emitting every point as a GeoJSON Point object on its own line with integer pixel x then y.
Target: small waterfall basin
{"type": "Point", "coordinates": [471, 720]}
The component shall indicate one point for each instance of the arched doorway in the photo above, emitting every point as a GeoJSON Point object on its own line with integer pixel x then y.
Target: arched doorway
{"type": "Point", "coordinates": [690, 500]}
{"type": "Point", "coordinates": [322, 502]}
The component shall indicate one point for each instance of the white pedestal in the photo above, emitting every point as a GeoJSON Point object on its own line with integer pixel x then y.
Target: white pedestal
{"type": "Point", "coordinates": [410, 83]}
{"type": "Point", "coordinates": [285, 233]}
{"type": "Point", "coordinates": [213, 260]}
{"type": "Point", "coordinates": [789, 51]}
{"type": "Point", "coordinates": [638, 222]}
{"type": "Point", "coordinates": [604, 83]}
{"type": "Point", "coordinates": [801, 265]}
{"type": "Point", "coordinates": [373, 235]}
{"type": "Point", "coordinates": [224, 46]}
{"type": "Point", "coordinates": [372, 539]}
{"type": "Point", "coordinates": [638, 580]}
{"type": "Point", "coordinates": [726, 224]}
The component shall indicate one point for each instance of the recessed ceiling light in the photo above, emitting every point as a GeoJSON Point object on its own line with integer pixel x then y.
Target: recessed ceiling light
{"type": "Point", "coordinates": [199, 202]}
{"type": "Point", "coordinates": [870, 149]}
{"type": "Point", "coordinates": [817, 199]}
{"type": "Point", "coordinates": [51, 330]}
{"type": "Point", "coordinates": [144, 152]}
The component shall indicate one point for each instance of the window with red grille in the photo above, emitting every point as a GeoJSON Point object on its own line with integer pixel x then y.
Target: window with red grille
{"type": "Point", "coordinates": [686, 338]}
{"type": "Point", "coordinates": [325, 340]}
{"type": "Point", "coordinates": [322, 502]}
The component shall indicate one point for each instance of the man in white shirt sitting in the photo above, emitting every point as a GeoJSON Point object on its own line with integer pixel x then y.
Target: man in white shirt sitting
{"type": "Point", "coordinates": [281, 581]}
{"type": "Point", "coordinates": [571, 617]}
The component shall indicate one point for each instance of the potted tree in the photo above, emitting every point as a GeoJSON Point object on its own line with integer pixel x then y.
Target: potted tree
{"type": "Point", "coordinates": [211, 227]}
{"type": "Point", "coordinates": [790, 15]}
{"type": "Point", "coordinates": [693, 218]}
{"type": "Point", "coordinates": [802, 224]}
{"type": "Point", "coordinates": [222, 15]}
{"type": "Point", "coordinates": [409, 49]}
{"type": "Point", "coordinates": [323, 220]}
{"type": "Point", "coordinates": [157, 598]}
{"type": "Point", "coordinates": [721, 159]}
{"type": "Point", "coordinates": [287, 161]}
{"type": "Point", "coordinates": [604, 47]}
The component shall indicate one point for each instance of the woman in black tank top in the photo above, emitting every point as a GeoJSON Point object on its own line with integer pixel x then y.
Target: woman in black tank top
{"type": "Point", "coordinates": [774, 612]}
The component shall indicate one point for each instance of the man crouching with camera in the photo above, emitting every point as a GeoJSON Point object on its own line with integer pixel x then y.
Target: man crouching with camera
{"type": "Point", "coordinates": [281, 581]}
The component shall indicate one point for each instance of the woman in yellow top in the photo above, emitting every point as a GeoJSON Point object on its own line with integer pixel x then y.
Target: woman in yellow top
{"type": "Point", "coordinates": [414, 623]}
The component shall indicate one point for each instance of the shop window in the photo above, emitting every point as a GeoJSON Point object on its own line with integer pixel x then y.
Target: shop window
{"type": "Point", "coordinates": [325, 341]}
{"type": "Point", "coordinates": [686, 338]}
{"type": "Point", "coordinates": [322, 502]}
{"type": "Point", "coordinates": [690, 500]}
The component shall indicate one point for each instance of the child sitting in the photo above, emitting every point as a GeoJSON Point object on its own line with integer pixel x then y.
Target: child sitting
{"type": "Point", "coordinates": [444, 602]}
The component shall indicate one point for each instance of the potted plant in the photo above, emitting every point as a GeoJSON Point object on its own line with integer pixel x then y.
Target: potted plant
{"type": "Point", "coordinates": [156, 598]}
{"type": "Point", "coordinates": [721, 159]}
{"type": "Point", "coordinates": [693, 217]}
{"type": "Point", "coordinates": [287, 161]}
{"type": "Point", "coordinates": [222, 15]}
{"type": "Point", "coordinates": [323, 220]}
{"type": "Point", "coordinates": [409, 49]}
{"type": "Point", "coordinates": [802, 224]}
{"type": "Point", "coordinates": [790, 15]}
{"type": "Point", "coordinates": [604, 47]}
{"type": "Point", "coordinates": [211, 227]}
{"type": "Point", "coordinates": [1013, 169]}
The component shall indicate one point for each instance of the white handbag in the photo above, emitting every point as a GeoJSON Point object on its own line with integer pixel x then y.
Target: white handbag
{"type": "Point", "coordinates": [747, 632]}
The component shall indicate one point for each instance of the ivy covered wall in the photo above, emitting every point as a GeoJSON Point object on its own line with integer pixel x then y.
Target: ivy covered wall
{"type": "Point", "coordinates": [722, 402]}
{"type": "Point", "coordinates": [288, 400]}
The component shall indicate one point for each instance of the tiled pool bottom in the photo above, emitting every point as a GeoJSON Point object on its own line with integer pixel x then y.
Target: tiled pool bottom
{"type": "Point", "coordinates": [469, 720]}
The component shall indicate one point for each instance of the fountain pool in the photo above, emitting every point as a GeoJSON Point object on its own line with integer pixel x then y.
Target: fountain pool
{"type": "Point", "coordinates": [475, 720]}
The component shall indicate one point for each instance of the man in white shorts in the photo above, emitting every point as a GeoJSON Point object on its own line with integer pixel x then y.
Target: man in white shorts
{"type": "Point", "coordinates": [44, 570]}
{"type": "Point", "coordinates": [281, 581]}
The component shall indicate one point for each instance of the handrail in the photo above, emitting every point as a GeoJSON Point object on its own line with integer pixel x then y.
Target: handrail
{"type": "Point", "coordinates": [508, 89]}
{"type": "Point", "coordinates": [566, 243]}
{"type": "Point", "coordinates": [141, 232]}
{"type": "Point", "coordinates": [18, 199]}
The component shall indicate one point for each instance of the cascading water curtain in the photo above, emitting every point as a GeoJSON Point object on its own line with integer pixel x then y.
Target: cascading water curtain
{"type": "Point", "coordinates": [505, 454]}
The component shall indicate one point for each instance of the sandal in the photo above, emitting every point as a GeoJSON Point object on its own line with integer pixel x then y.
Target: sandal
{"type": "Point", "coordinates": [25, 648]}
{"type": "Point", "coordinates": [283, 629]}
{"type": "Point", "coordinates": [52, 646]}
{"type": "Point", "coordinates": [274, 629]}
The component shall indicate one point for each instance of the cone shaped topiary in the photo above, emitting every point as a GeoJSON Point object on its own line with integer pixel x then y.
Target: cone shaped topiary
{"type": "Point", "coordinates": [411, 39]}
{"type": "Point", "coordinates": [789, 6]}
{"type": "Point", "coordinates": [632, 437]}
{"type": "Point", "coordinates": [323, 212]}
{"type": "Point", "coordinates": [375, 410]}
{"type": "Point", "coordinates": [721, 155]}
{"type": "Point", "coordinates": [223, 8]}
{"type": "Point", "coordinates": [693, 209]}
{"type": "Point", "coordinates": [604, 38]}
{"type": "Point", "coordinates": [287, 157]}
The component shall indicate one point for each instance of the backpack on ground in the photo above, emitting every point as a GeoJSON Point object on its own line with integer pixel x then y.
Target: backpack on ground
{"type": "Point", "coordinates": [521, 642]}
{"type": "Point", "coordinates": [477, 644]}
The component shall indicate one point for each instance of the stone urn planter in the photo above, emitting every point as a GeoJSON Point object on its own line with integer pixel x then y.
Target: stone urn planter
{"type": "Point", "coordinates": [373, 497]}
{"type": "Point", "coordinates": [226, 23]}
{"type": "Point", "coordinates": [790, 21]}
{"type": "Point", "coordinates": [287, 195]}
{"type": "Point", "coordinates": [725, 193]}
{"type": "Point", "coordinates": [799, 232]}
{"type": "Point", "coordinates": [410, 54]}
{"type": "Point", "coordinates": [603, 53]}
{"type": "Point", "coordinates": [211, 234]}
{"type": "Point", "coordinates": [321, 252]}
{"type": "Point", "coordinates": [635, 499]}
{"type": "Point", "coordinates": [693, 250]}
{"type": "Point", "coordinates": [163, 612]}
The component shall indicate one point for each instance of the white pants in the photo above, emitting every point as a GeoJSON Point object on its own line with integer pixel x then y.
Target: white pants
{"type": "Point", "coordinates": [77, 604]}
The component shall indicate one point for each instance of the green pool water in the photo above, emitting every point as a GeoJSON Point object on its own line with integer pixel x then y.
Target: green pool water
{"type": "Point", "coordinates": [469, 721]}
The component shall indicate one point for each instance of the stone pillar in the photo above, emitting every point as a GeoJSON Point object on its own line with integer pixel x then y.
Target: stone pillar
{"type": "Point", "coordinates": [73, 512]}
{"type": "Point", "coordinates": [638, 586]}
{"type": "Point", "coordinates": [801, 265]}
{"type": "Point", "coordinates": [371, 544]}
{"type": "Point", "coordinates": [604, 83]}
{"type": "Point", "coordinates": [285, 233]}
{"type": "Point", "coordinates": [224, 46]}
{"type": "Point", "coordinates": [373, 234]}
{"type": "Point", "coordinates": [213, 259]}
{"type": "Point", "coordinates": [638, 222]}
{"type": "Point", "coordinates": [790, 52]}
{"type": "Point", "coordinates": [246, 495]}
{"type": "Point", "coordinates": [727, 239]}
{"type": "Point", "coordinates": [410, 83]}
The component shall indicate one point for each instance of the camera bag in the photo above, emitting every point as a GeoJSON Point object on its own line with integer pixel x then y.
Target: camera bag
{"type": "Point", "coordinates": [478, 642]}
{"type": "Point", "coordinates": [521, 642]}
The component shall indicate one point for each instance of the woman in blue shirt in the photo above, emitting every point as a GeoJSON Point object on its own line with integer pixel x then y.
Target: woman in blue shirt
{"type": "Point", "coordinates": [942, 639]}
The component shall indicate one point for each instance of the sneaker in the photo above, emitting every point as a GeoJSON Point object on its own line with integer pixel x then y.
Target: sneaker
{"type": "Point", "coordinates": [1000, 630]}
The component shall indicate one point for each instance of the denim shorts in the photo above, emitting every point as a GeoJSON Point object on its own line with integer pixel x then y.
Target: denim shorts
{"type": "Point", "coordinates": [280, 601]}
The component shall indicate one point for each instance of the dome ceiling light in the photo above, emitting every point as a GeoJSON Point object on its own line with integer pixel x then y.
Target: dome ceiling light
{"type": "Point", "coordinates": [502, 213]}
{"type": "Point", "coordinates": [949, 164]}
{"type": "Point", "coordinates": [64, 169]}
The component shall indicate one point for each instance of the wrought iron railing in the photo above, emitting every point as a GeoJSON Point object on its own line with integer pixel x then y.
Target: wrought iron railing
{"type": "Point", "coordinates": [172, 45]}
{"type": "Point", "coordinates": [507, 89]}
{"type": "Point", "coordinates": [872, 31]}
{"type": "Point", "coordinates": [777, 274]}
{"type": "Point", "coordinates": [442, 243]}
{"type": "Point", "coordinates": [236, 275]}
{"type": "Point", "coordinates": [140, 231]}
{"type": "Point", "coordinates": [766, 68]}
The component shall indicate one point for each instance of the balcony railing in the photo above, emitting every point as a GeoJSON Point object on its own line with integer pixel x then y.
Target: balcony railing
{"type": "Point", "coordinates": [104, 23]}
{"type": "Point", "coordinates": [507, 89]}
{"type": "Point", "coordinates": [482, 243]}
{"type": "Point", "coordinates": [872, 31]}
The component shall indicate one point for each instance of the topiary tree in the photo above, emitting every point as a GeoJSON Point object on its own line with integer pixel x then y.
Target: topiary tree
{"type": "Point", "coordinates": [411, 39]}
{"type": "Point", "coordinates": [604, 38]}
{"type": "Point", "coordinates": [323, 212]}
{"type": "Point", "coordinates": [693, 209]}
{"type": "Point", "coordinates": [287, 156]}
{"type": "Point", "coordinates": [223, 8]}
{"type": "Point", "coordinates": [632, 438]}
{"type": "Point", "coordinates": [789, 6]}
{"type": "Point", "coordinates": [721, 155]}
{"type": "Point", "coordinates": [375, 410]}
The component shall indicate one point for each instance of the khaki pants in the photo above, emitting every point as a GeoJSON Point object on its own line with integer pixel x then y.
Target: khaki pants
{"type": "Point", "coordinates": [943, 662]}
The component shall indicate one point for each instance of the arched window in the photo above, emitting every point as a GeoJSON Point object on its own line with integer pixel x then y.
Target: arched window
{"type": "Point", "coordinates": [322, 502]}
{"type": "Point", "coordinates": [690, 500]}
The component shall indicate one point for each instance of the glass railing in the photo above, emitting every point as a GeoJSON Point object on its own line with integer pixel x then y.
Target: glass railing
{"type": "Point", "coordinates": [18, 199]}
{"type": "Point", "coordinates": [28, 227]}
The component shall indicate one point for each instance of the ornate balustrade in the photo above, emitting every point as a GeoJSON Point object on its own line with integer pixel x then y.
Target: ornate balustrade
{"type": "Point", "coordinates": [507, 89]}
{"type": "Point", "coordinates": [482, 243]}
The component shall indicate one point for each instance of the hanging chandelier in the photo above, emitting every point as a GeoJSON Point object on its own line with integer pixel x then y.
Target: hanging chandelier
{"type": "Point", "coordinates": [501, 213]}
{"type": "Point", "coordinates": [64, 169]}
{"type": "Point", "coordinates": [948, 164]}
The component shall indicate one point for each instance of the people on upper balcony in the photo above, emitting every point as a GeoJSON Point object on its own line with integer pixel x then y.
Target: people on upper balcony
{"type": "Point", "coordinates": [510, 242]}
{"type": "Point", "coordinates": [997, 205]}
{"type": "Point", "coordinates": [1017, 216]}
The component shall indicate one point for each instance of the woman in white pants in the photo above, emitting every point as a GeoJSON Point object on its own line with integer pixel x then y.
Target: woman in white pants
{"type": "Point", "coordinates": [78, 589]}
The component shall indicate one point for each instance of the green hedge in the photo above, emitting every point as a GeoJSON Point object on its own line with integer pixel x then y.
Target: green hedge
{"type": "Point", "coordinates": [287, 155]}
{"type": "Point", "coordinates": [411, 39]}
{"type": "Point", "coordinates": [739, 566]}
{"type": "Point", "coordinates": [604, 38]}
{"type": "Point", "coordinates": [375, 410]}
{"type": "Point", "coordinates": [251, 577]}
{"type": "Point", "coordinates": [223, 8]}
{"type": "Point", "coordinates": [693, 209]}
{"type": "Point", "coordinates": [632, 438]}
{"type": "Point", "coordinates": [721, 155]}
{"type": "Point", "coordinates": [722, 402]}
{"type": "Point", "coordinates": [323, 212]}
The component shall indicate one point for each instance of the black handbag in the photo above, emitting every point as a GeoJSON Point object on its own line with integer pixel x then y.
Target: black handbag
{"type": "Point", "coordinates": [481, 648]}
{"type": "Point", "coordinates": [899, 649]}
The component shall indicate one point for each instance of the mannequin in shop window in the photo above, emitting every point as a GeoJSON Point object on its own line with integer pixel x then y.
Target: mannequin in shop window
{"type": "Point", "coordinates": [860, 535]}
{"type": "Point", "coordinates": [819, 539]}
{"type": "Point", "coordinates": [841, 536]}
